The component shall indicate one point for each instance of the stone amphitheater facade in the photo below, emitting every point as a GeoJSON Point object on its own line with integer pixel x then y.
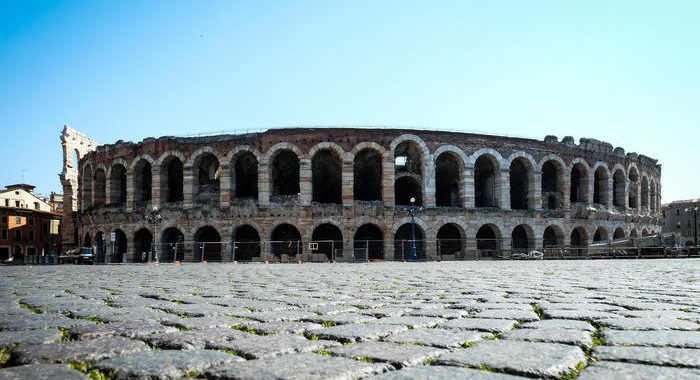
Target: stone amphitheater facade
{"type": "Point", "coordinates": [343, 193]}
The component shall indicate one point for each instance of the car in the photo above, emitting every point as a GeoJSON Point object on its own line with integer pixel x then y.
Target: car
{"type": "Point", "coordinates": [78, 255]}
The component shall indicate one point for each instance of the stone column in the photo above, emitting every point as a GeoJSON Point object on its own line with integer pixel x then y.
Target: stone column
{"type": "Point", "coordinates": [429, 182]}
{"type": "Point", "coordinates": [468, 183]}
{"type": "Point", "coordinates": [264, 183]}
{"type": "Point", "coordinates": [537, 193]}
{"type": "Point", "coordinates": [225, 186]}
{"type": "Point", "coordinates": [108, 190]}
{"type": "Point", "coordinates": [503, 189]}
{"type": "Point", "coordinates": [129, 191]}
{"type": "Point", "coordinates": [348, 181]}
{"type": "Point", "coordinates": [155, 188]}
{"type": "Point", "coordinates": [305, 190]}
{"type": "Point", "coordinates": [591, 188]}
{"type": "Point", "coordinates": [611, 201]}
{"type": "Point", "coordinates": [388, 179]}
{"type": "Point", "coordinates": [188, 186]}
{"type": "Point", "coordinates": [566, 191]}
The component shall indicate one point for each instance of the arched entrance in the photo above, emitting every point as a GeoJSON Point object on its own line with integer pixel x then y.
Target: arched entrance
{"type": "Point", "coordinates": [579, 241]}
{"type": "Point", "coordinates": [329, 239]}
{"type": "Point", "coordinates": [487, 242]}
{"type": "Point", "coordinates": [403, 243]}
{"type": "Point", "coordinates": [172, 245]}
{"type": "Point", "coordinates": [143, 246]}
{"type": "Point", "coordinates": [449, 239]}
{"type": "Point", "coordinates": [207, 244]}
{"type": "Point", "coordinates": [286, 241]}
{"type": "Point", "coordinates": [520, 241]}
{"type": "Point", "coordinates": [368, 243]}
{"type": "Point", "coordinates": [119, 253]}
{"type": "Point", "coordinates": [247, 243]}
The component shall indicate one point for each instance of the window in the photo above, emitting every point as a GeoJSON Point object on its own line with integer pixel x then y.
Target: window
{"type": "Point", "coordinates": [18, 220]}
{"type": "Point", "coordinates": [4, 219]}
{"type": "Point", "coordinates": [678, 225]}
{"type": "Point", "coordinates": [4, 234]}
{"type": "Point", "coordinates": [31, 235]}
{"type": "Point", "coordinates": [7, 203]}
{"type": "Point", "coordinates": [30, 221]}
{"type": "Point", "coordinates": [36, 205]}
{"type": "Point", "coordinates": [689, 224]}
{"type": "Point", "coordinates": [16, 203]}
{"type": "Point", "coordinates": [18, 235]}
{"type": "Point", "coordinates": [678, 211]}
{"type": "Point", "coordinates": [45, 228]}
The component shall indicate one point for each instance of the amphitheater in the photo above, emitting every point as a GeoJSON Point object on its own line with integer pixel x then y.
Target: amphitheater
{"type": "Point", "coordinates": [343, 194]}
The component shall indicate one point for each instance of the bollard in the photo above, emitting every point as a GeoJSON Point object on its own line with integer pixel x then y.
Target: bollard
{"type": "Point", "coordinates": [267, 261]}
{"type": "Point", "coordinates": [176, 263]}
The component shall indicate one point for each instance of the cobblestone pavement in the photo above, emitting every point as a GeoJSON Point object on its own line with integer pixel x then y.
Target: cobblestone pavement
{"type": "Point", "coordinates": [620, 319]}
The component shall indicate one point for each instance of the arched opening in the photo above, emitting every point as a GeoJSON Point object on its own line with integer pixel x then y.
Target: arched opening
{"type": "Point", "coordinates": [87, 240]}
{"type": "Point", "coordinates": [619, 188]}
{"type": "Point", "coordinates": [76, 159]}
{"type": "Point", "coordinates": [408, 158]}
{"type": "Point", "coordinates": [601, 234]}
{"type": "Point", "coordinates": [247, 243]}
{"type": "Point", "coordinates": [119, 255]}
{"type": "Point", "coordinates": [645, 192]}
{"type": "Point", "coordinates": [207, 173]}
{"type": "Point", "coordinates": [173, 245]}
{"type": "Point", "coordinates": [18, 255]}
{"type": "Point", "coordinates": [551, 185]}
{"type": "Point", "coordinates": [171, 180]}
{"type": "Point", "coordinates": [368, 243]}
{"type": "Point", "coordinates": [405, 188]}
{"type": "Point", "coordinates": [519, 184]}
{"type": "Point", "coordinates": [487, 242]}
{"type": "Point", "coordinates": [551, 239]}
{"type": "Point", "coordinates": [117, 185]}
{"type": "Point", "coordinates": [449, 239]}
{"type": "Point", "coordinates": [87, 187]}
{"type": "Point", "coordinates": [579, 184]}
{"type": "Point", "coordinates": [100, 185]}
{"type": "Point", "coordinates": [100, 247]}
{"type": "Point", "coordinates": [143, 246]}
{"type": "Point", "coordinates": [652, 197]}
{"type": "Point", "coordinates": [600, 186]}
{"type": "Point", "coordinates": [285, 173]}
{"type": "Point", "coordinates": [634, 233]}
{"type": "Point", "coordinates": [208, 244]}
{"type": "Point", "coordinates": [485, 182]}
{"type": "Point", "coordinates": [367, 169]}
{"type": "Point", "coordinates": [142, 183]}
{"type": "Point", "coordinates": [326, 173]}
{"type": "Point", "coordinates": [246, 176]}
{"type": "Point", "coordinates": [618, 234]}
{"type": "Point", "coordinates": [329, 239]}
{"type": "Point", "coordinates": [520, 241]}
{"type": "Point", "coordinates": [286, 240]}
{"type": "Point", "coordinates": [633, 188]}
{"type": "Point", "coordinates": [579, 241]}
{"type": "Point", "coordinates": [645, 232]}
{"type": "Point", "coordinates": [447, 179]}
{"type": "Point", "coordinates": [403, 243]}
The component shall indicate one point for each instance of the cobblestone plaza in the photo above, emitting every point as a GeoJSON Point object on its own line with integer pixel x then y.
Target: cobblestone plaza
{"type": "Point", "coordinates": [618, 319]}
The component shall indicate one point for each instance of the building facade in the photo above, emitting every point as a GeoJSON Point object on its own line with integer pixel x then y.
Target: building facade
{"type": "Point", "coordinates": [681, 217]}
{"type": "Point", "coordinates": [29, 229]}
{"type": "Point", "coordinates": [343, 193]}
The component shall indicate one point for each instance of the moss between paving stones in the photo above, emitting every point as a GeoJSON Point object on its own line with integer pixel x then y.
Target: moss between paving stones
{"type": "Point", "coordinates": [87, 369]}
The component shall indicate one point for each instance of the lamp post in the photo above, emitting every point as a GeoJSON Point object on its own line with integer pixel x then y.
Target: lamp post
{"type": "Point", "coordinates": [153, 216]}
{"type": "Point", "coordinates": [695, 222]}
{"type": "Point", "coordinates": [413, 210]}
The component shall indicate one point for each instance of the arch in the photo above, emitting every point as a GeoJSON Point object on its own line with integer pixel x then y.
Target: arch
{"type": "Point", "coordinates": [326, 145]}
{"type": "Point", "coordinates": [120, 244]}
{"type": "Point", "coordinates": [633, 193]}
{"type": "Point", "coordinates": [521, 179]}
{"type": "Point", "coordinates": [415, 152]}
{"type": "Point", "coordinates": [488, 241]}
{"type": "Point", "coordinates": [579, 181]}
{"type": "Point", "coordinates": [579, 241]}
{"type": "Point", "coordinates": [172, 245]}
{"type": "Point", "coordinates": [100, 186]}
{"type": "Point", "coordinates": [645, 192]}
{"type": "Point", "coordinates": [247, 243]}
{"type": "Point", "coordinates": [522, 238]}
{"type": "Point", "coordinates": [634, 233]}
{"type": "Point", "coordinates": [553, 237]}
{"type": "Point", "coordinates": [486, 181]}
{"type": "Point", "coordinates": [619, 187]}
{"type": "Point", "coordinates": [142, 181]}
{"type": "Point", "coordinates": [450, 239]}
{"type": "Point", "coordinates": [619, 233]}
{"type": "Point", "coordinates": [326, 176]}
{"type": "Point", "coordinates": [87, 240]}
{"type": "Point", "coordinates": [100, 247]}
{"type": "Point", "coordinates": [117, 184]}
{"type": "Point", "coordinates": [367, 175]}
{"type": "Point", "coordinates": [368, 243]}
{"type": "Point", "coordinates": [552, 184]}
{"type": "Point", "coordinates": [329, 239]}
{"type": "Point", "coordinates": [208, 244]}
{"type": "Point", "coordinates": [403, 242]}
{"type": "Point", "coordinates": [171, 179]}
{"type": "Point", "coordinates": [645, 232]}
{"type": "Point", "coordinates": [75, 159]}
{"type": "Point", "coordinates": [285, 173]}
{"type": "Point", "coordinates": [86, 187]}
{"type": "Point", "coordinates": [601, 234]}
{"type": "Point", "coordinates": [601, 188]}
{"type": "Point", "coordinates": [207, 177]}
{"type": "Point", "coordinates": [286, 240]}
{"type": "Point", "coordinates": [245, 174]}
{"type": "Point", "coordinates": [405, 188]}
{"type": "Point", "coordinates": [652, 196]}
{"type": "Point", "coordinates": [448, 177]}
{"type": "Point", "coordinates": [143, 246]}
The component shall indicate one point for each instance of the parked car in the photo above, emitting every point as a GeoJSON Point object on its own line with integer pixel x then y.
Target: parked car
{"type": "Point", "coordinates": [78, 255]}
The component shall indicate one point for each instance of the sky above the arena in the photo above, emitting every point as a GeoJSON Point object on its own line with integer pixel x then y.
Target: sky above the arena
{"type": "Point", "coordinates": [625, 72]}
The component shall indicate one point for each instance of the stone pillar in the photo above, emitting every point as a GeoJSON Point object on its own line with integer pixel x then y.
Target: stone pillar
{"type": "Point", "coordinates": [225, 186]}
{"type": "Point", "coordinates": [187, 186]}
{"type": "Point", "coordinates": [305, 190]}
{"type": "Point", "coordinates": [503, 189]}
{"type": "Point", "coordinates": [626, 197]}
{"type": "Point", "coordinates": [591, 188]}
{"type": "Point", "coordinates": [347, 184]}
{"type": "Point", "coordinates": [388, 194]}
{"type": "Point", "coordinates": [155, 188]}
{"type": "Point", "coordinates": [566, 191]}
{"type": "Point", "coordinates": [129, 191]}
{"type": "Point", "coordinates": [537, 193]}
{"type": "Point", "coordinates": [468, 187]}
{"type": "Point", "coordinates": [264, 183]}
{"type": "Point", "coordinates": [611, 201]}
{"type": "Point", "coordinates": [108, 190]}
{"type": "Point", "coordinates": [429, 182]}
{"type": "Point", "coordinates": [388, 246]}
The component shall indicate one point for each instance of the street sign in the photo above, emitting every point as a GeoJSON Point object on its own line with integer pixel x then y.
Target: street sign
{"type": "Point", "coordinates": [313, 246]}
{"type": "Point", "coordinates": [113, 236]}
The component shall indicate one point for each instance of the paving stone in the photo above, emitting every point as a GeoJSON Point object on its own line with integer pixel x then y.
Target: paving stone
{"type": "Point", "coordinates": [42, 321]}
{"type": "Point", "coordinates": [300, 366]}
{"type": "Point", "coordinates": [438, 337]}
{"type": "Point", "coordinates": [399, 355]}
{"type": "Point", "coordinates": [520, 315]}
{"type": "Point", "coordinates": [690, 316]}
{"type": "Point", "coordinates": [282, 327]}
{"type": "Point", "coordinates": [198, 323]}
{"type": "Point", "coordinates": [682, 339]}
{"type": "Point", "coordinates": [256, 346]}
{"type": "Point", "coordinates": [649, 324]}
{"type": "Point", "coordinates": [551, 334]}
{"type": "Point", "coordinates": [194, 339]}
{"type": "Point", "coordinates": [356, 332]}
{"type": "Point", "coordinates": [79, 350]}
{"type": "Point", "coordinates": [340, 319]}
{"type": "Point", "coordinates": [570, 324]}
{"type": "Point", "coordinates": [41, 372]}
{"type": "Point", "coordinates": [410, 321]}
{"type": "Point", "coordinates": [282, 315]}
{"type": "Point", "coordinates": [481, 324]}
{"type": "Point", "coordinates": [136, 329]}
{"type": "Point", "coordinates": [27, 337]}
{"type": "Point", "coordinates": [439, 313]}
{"type": "Point", "coordinates": [666, 356]}
{"type": "Point", "coordinates": [531, 358]}
{"type": "Point", "coordinates": [628, 371]}
{"type": "Point", "coordinates": [386, 311]}
{"type": "Point", "coordinates": [584, 315]}
{"type": "Point", "coordinates": [439, 372]}
{"type": "Point", "coordinates": [165, 364]}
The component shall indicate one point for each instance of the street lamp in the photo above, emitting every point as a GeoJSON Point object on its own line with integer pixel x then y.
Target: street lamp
{"type": "Point", "coordinates": [695, 224]}
{"type": "Point", "coordinates": [153, 216]}
{"type": "Point", "coordinates": [413, 210]}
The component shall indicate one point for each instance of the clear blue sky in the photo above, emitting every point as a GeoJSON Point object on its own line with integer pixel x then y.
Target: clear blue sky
{"type": "Point", "coordinates": [626, 72]}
